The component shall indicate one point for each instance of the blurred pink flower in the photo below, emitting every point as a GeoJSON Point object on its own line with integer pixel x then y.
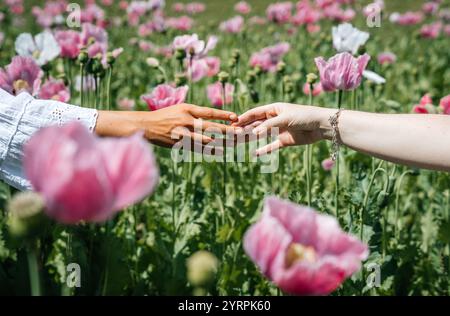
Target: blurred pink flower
{"type": "Point", "coordinates": [408, 18]}
{"type": "Point", "coordinates": [22, 74]}
{"type": "Point", "coordinates": [86, 178]}
{"type": "Point", "coordinates": [386, 58]}
{"type": "Point", "coordinates": [431, 31]}
{"type": "Point", "coordinates": [214, 92]}
{"type": "Point", "coordinates": [92, 33]}
{"type": "Point", "coordinates": [447, 30]}
{"type": "Point", "coordinates": [16, 6]}
{"type": "Point", "coordinates": [328, 164]}
{"type": "Point", "coordinates": [430, 7]}
{"type": "Point", "coordinates": [242, 7]}
{"type": "Point", "coordinates": [313, 28]}
{"type": "Point", "coordinates": [445, 104]}
{"type": "Point", "coordinates": [233, 25]}
{"type": "Point", "coordinates": [305, 14]}
{"type": "Point", "coordinates": [164, 95]}
{"type": "Point", "coordinates": [257, 20]}
{"type": "Point", "coordinates": [182, 23]}
{"type": "Point", "coordinates": [269, 57]}
{"type": "Point", "coordinates": [70, 43]}
{"type": "Point", "coordinates": [178, 7]}
{"type": "Point", "coordinates": [342, 71]}
{"type": "Point", "coordinates": [317, 89]}
{"type": "Point", "coordinates": [51, 14]}
{"type": "Point", "coordinates": [92, 13]}
{"type": "Point", "coordinates": [126, 104]}
{"type": "Point", "coordinates": [54, 90]}
{"type": "Point", "coordinates": [195, 7]}
{"type": "Point", "coordinates": [336, 13]}
{"type": "Point", "coordinates": [301, 251]}
{"type": "Point", "coordinates": [205, 67]}
{"type": "Point", "coordinates": [279, 12]}
{"type": "Point", "coordinates": [426, 103]}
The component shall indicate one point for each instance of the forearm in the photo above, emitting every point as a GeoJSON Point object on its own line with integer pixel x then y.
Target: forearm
{"type": "Point", "coordinates": [414, 140]}
{"type": "Point", "coordinates": [117, 123]}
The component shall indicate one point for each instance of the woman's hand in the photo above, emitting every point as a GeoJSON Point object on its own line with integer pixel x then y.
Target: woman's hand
{"type": "Point", "coordinates": [298, 124]}
{"type": "Point", "coordinates": [167, 126]}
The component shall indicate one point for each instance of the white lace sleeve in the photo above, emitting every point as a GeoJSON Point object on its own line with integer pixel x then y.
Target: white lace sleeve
{"type": "Point", "coordinates": [20, 118]}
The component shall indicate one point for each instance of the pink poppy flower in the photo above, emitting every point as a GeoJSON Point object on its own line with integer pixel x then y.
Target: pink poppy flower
{"type": "Point", "coordinates": [431, 31]}
{"type": "Point", "coordinates": [445, 104]}
{"type": "Point", "coordinates": [178, 7]}
{"type": "Point", "coordinates": [409, 18]}
{"type": "Point", "coordinates": [242, 7]}
{"type": "Point", "coordinates": [85, 178]}
{"type": "Point", "coordinates": [386, 58]}
{"type": "Point", "coordinates": [197, 70]}
{"type": "Point", "coordinates": [91, 33]}
{"type": "Point", "coordinates": [301, 251]}
{"type": "Point", "coordinates": [213, 64]}
{"type": "Point", "coordinates": [280, 12]}
{"type": "Point", "coordinates": [317, 89]}
{"type": "Point", "coordinates": [430, 8]}
{"type": "Point", "coordinates": [194, 46]}
{"type": "Point", "coordinates": [195, 7]}
{"type": "Point", "coordinates": [328, 164]}
{"type": "Point", "coordinates": [22, 74]}
{"type": "Point", "coordinates": [182, 23]}
{"type": "Point", "coordinates": [306, 15]}
{"type": "Point", "coordinates": [313, 28]}
{"type": "Point", "coordinates": [233, 25]}
{"type": "Point", "coordinates": [425, 106]}
{"type": "Point", "coordinates": [70, 43]}
{"type": "Point", "coordinates": [164, 96]}
{"type": "Point", "coordinates": [269, 57]}
{"type": "Point", "coordinates": [342, 71]}
{"type": "Point", "coordinates": [54, 90]}
{"type": "Point", "coordinates": [126, 104]}
{"type": "Point", "coordinates": [214, 92]}
{"type": "Point", "coordinates": [92, 13]}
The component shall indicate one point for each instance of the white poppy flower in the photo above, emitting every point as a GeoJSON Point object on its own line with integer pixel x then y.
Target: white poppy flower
{"type": "Point", "coordinates": [347, 38]}
{"type": "Point", "coordinates": [374, 77]}
{"type": "Point", "coordinates": [42, 48]}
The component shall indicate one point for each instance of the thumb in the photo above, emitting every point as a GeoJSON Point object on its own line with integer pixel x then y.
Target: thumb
{"type": "Point", "coordinates": [278, 121]}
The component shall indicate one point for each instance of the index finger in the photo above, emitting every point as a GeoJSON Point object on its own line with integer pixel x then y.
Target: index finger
{"type": "Point", "coordinates": [252, 115]}
{"type": "Point", "coordinates": [212, 114]}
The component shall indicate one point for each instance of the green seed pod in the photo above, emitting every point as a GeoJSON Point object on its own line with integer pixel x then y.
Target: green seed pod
{"type": "Point", "coordinates": [232, 63]}
{"type": "Point", "coordinates": [382, 199]}
{"type": "Point", "coordinates": [110, 58]}
{"type": "Point", "coordinates": [311, 78]}
{"type": "Point", "coordinates": [236, 54]}
{"type": "Point", "coordinates": [223, 77]}
{"type": "Point", "coordinates": [281, 67]}
{"type": "Point", "coordinates": [362, 50]}
{"type": "Point", "coordinates": [180, 80]}
{"type": "Point", "coordinates": [202, 268]}
{"type": "Point", "coordinates": [258, 71]}
{"type": "Point", "coordinates": [83, 57]}
{"type": "Point", "coordinates": [251, 77]}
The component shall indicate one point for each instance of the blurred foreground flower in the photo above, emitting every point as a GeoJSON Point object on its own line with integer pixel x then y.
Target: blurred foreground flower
{"type": "Point", "coordinates": [22, 74]}
{"type": "Point", "coordinates": [165, 95]}
{"type": "Point", "coordinates": [342, 71]}
{"type": "Point", "coordinates": [301, 251]}
{"type": "Point", "coordinates": [202, 268]}
{"type": "Point", "coordinates": [85, 178]}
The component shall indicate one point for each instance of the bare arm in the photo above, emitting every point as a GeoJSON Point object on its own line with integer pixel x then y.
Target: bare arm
{"type": "Point", "coordinates": [409, 139]}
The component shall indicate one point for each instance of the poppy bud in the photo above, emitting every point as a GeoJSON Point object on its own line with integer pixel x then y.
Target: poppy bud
{"type": "Point", "coordinates": [281, 67]}
{"type": "Point", "coordinates": [83, 57]}
{"type": "Point", "coordinates": [25, 214]}
{"type": "Point", "coordinates": [311, 78]}
{"type": "Point", "coordinates": [223, 77]}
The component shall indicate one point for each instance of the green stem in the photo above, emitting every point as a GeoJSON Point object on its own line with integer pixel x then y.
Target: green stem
{"type": "Point", "coordinates": [397, 199]}
{"type": "Point", "coordinates": [33, 270]}
{"type": "Point", "coordinates": [81, 84]}
{"type": "Point", "coordinates": [108, 88]}
{"type": "Point", "coordinates": [336, 193]}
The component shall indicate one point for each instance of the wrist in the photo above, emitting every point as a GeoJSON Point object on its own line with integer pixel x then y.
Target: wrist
{"type": "Point", "coordinates": [117, 123]}
{"type": "Point", "coordinates": [324, 120]}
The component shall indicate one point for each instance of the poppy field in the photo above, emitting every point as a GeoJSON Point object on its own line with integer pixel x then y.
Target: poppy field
{"type": "Point", "coordinates": [123, 217]}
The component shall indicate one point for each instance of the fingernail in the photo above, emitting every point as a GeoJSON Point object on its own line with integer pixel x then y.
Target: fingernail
{"type": "Point", "coordinates": [233, 117]}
